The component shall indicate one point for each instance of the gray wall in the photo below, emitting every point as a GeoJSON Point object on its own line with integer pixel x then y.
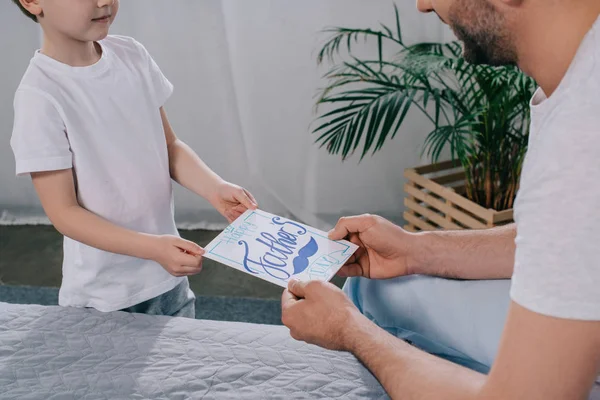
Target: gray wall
{"type": "Point", "coordinates": [245, 78]}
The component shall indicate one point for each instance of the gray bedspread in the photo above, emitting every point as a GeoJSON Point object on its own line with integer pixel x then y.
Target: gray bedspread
{"type": "Point", "coordinates": [64, 353]}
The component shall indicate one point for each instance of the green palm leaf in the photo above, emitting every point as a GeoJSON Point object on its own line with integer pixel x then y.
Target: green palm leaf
{"type": "Point", "coordinates": [479, 113]}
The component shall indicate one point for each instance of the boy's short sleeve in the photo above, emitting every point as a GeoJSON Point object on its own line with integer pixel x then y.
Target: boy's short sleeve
{"type": "Point", "coordinates": [160, 86]}
{"type": "Point", "coordinates": [39, 140]}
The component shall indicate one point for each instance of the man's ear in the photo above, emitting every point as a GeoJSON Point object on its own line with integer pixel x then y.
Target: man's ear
{"type": "Point", "coordinates": [32, 6]}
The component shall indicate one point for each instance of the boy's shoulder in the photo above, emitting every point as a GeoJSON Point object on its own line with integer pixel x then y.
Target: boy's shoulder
{"type": "Point", "coordinates": [124, 45]}
{"type": "Point", "coordinates": [43, 75]}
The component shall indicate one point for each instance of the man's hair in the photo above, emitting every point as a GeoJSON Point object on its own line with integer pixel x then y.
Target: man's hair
{"type": "Point", "coordinates": [30, 15]}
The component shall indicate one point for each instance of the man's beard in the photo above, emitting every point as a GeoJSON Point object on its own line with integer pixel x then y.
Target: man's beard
{"type": "Point", "coordinates": [485, 39]}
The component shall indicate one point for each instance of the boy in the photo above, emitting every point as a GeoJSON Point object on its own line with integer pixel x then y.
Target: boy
{"type": "Point", "coordinates": [91, 130]}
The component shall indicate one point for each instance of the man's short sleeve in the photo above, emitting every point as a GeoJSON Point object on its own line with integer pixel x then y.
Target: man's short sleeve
{"type": "Point", "coordinates": [557, 262]}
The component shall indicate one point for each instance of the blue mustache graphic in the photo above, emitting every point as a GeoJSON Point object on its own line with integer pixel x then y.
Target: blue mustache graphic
{"type": "Point", "coordinates": [301, 261]}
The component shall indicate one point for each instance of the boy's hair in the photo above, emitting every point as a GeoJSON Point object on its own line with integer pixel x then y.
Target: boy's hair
{"type": "Point", "coordinates": [30, 15]}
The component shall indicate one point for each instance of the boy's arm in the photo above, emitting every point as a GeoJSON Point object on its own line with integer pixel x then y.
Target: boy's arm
{"type": "Point", "coordinates": [191, 172]}
{"type": "Point", "coordinates": [56, 191]}
{"type": "Point", "coordinates": [186, 167]}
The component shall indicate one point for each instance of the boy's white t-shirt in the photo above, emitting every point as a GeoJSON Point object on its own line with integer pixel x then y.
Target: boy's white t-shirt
{"type": "Point", "coordinates": [104, 122]}
{"type": "Point", "coordinates": [557, 211]}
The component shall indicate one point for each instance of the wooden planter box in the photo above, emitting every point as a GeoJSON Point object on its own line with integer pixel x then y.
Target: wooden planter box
{"type": "Point", "coordinates": [435, 201]}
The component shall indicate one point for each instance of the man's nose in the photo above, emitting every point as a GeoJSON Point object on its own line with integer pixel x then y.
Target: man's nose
{"type": "Point", "coordinates": [424, 6]}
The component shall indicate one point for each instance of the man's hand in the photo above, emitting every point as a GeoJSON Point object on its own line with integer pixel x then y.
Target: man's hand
{"type": "Point", "coordinates": [178, 256]}
{"type": "Point", "coordinates": [232, 201]}
{"type": "Point", "coordinates": [319, 313]}
{"type": "Point", "coordinates": [385, 250]}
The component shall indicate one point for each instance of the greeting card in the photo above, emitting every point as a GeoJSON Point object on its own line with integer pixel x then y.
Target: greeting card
{"type": "Point", "coordinates": [277, 249]}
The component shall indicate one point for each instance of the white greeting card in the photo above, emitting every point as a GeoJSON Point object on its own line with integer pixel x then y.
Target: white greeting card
{"type": "Point", "coordinates": [277, 249]}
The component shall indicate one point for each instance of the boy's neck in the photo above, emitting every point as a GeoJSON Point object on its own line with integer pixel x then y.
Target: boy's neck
{"type": "Point", "coordinates": [70, 51]}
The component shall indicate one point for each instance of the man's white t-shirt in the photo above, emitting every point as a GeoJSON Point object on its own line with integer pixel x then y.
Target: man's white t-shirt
{"type": "Point", "coordinates": [557, 211]}
{"type": "Point", "coordinates": [104, 122]}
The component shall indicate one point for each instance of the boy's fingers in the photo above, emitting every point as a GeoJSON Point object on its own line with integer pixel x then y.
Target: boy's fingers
{"type": "Point", "coordinates": [244, 199]}
{"type": "Point", "coordinates": [251, 197]}
{"type": "Point", "coordinates": [190, 247]}
{"type": "Point", "coordinates": [189, 260]}
{"type": "Point", "coordinates": [187, 271]}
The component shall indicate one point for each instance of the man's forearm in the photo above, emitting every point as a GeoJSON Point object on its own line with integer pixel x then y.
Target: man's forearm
{"type": "Point", "coordinates": [479, 254]}
{"type": "Point", "coordinates": [406, 372]}
{"type": "Point", "coordinates": [86, 227]}
{"type": "Point", "coordinates": [190, 171]}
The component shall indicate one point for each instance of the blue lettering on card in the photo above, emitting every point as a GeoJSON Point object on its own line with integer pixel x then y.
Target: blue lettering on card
{"type": "Point", "coordinates": [278, 249]}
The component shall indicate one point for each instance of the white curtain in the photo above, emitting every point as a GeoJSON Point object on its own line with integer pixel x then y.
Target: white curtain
{"type": "Point", "coordinates": [245, 77]}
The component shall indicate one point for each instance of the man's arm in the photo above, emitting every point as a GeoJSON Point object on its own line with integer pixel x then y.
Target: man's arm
{"type": "Point", "coordinates": [540, 357]}
{"type": "Point", "coordinates": [469, 254]}
{"type": "Point", "coordinates": [388, 251]}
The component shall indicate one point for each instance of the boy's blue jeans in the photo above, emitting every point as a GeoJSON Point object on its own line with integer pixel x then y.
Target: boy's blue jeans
{"type": "Point", "coordinates": [460, 321]}
{"type": "Point", "coordinates": [177, 302]}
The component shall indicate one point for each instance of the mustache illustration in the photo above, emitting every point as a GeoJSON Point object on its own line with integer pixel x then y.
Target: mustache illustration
{"type": "Point", "coordinates": [301, 261]}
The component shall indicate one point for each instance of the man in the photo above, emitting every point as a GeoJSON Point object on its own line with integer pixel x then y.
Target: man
{"type": "Point", "coordinates": [549, 346]}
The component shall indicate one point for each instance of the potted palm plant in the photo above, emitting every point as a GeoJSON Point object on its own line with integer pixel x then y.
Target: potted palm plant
{"type": "Point", "coordinates": [479, 113]}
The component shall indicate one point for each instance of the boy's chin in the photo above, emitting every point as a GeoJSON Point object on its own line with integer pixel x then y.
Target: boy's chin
{"type": "Point", "coordinates": [97, 36]}
{"type": "Point", "coordinates": [98, 33]}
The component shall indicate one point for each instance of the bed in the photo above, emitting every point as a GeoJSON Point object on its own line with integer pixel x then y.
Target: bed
{"type": "Point", "coordinates": [64, 353]}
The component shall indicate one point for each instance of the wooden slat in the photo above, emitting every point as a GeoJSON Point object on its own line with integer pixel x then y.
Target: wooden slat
{"type": "Point", "coordinates": [449, 205]}
{"type": "Point", "coordinates": [431, 215]}
{"type": "Point", "coordinates": [418, 222]}
{"type": "Point", "coordinates": [427, 169]}
{"type": "Point", "coordinates": [460, 189]}
{"type": "Point", "coordinates": [410, 228]}
{"type": "Point", "coordinates": [457, 176]}
{"type": "Point", "coordinates": [449, 194]}
{"type": "Point", "coordinates": [456, 214]}
{"type": "Point", "coordinates": [503, 216]}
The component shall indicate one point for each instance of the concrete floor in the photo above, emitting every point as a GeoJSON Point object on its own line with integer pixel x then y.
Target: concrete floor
{"type": "Point", "coordinates": [32, 255]}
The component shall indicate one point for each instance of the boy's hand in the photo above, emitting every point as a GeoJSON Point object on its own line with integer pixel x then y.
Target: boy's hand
{"type": "Point", "coordinates": [232, 201]}
{"type": "Point", "coordinates": [178, 256]}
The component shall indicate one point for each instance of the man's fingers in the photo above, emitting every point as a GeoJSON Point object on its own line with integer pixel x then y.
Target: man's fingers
{"type": "Point", "coordinates": [297, 288]}
{"type": "Point", "coordinates": [350, 270]}
{"type": "Point", "coordinates": [288, 299]}
{"type": "Point", "coordinates": [354, 238]}
{"type": "Point", "coordinates": [348, 225]}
